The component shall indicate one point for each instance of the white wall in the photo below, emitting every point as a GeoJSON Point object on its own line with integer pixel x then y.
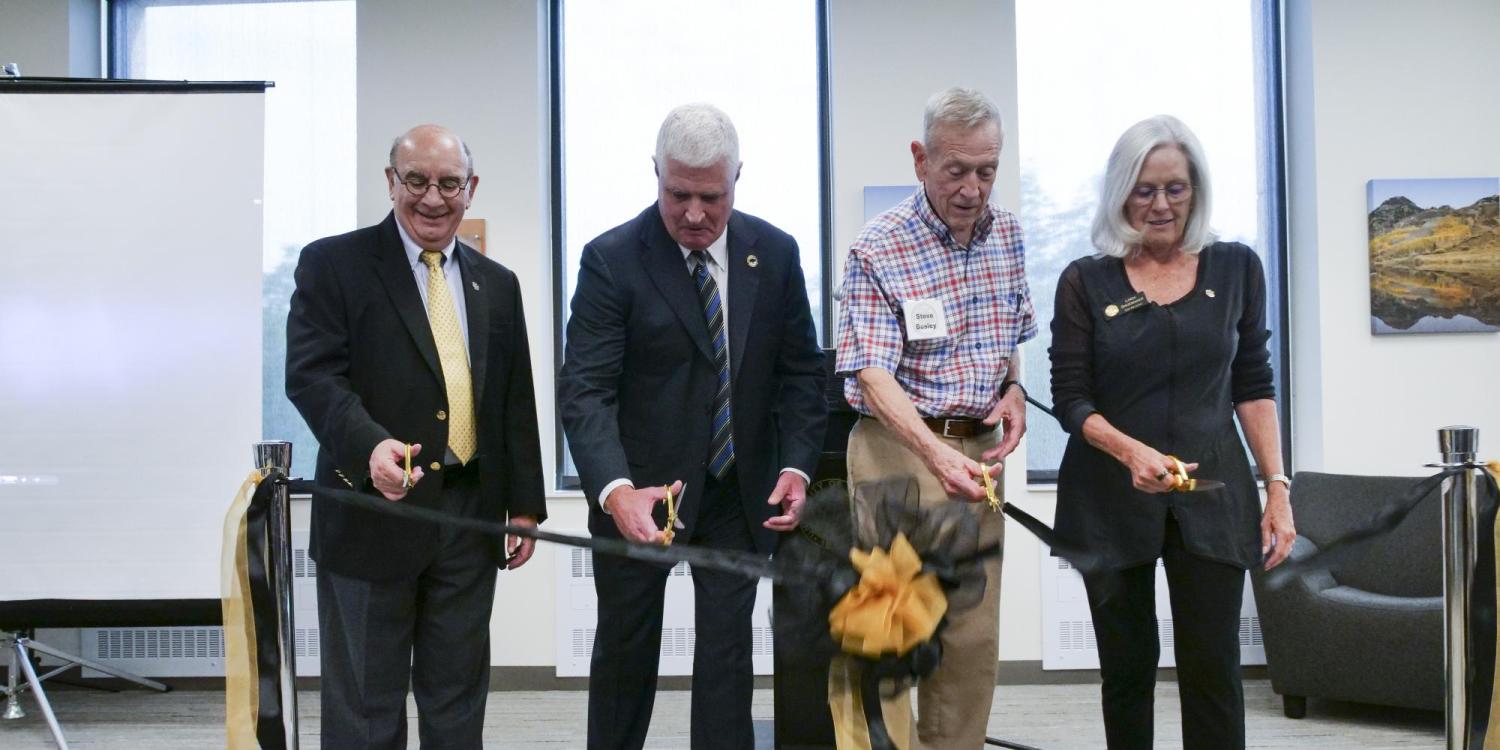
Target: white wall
{"type": "Point", "coordinates": [1381, 89]}
{"type": "Point", "coordinates": [51, 38]}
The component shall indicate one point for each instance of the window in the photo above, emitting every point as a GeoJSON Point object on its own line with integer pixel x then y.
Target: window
{"type": "Point", "coordinates": [621, 66]}
{"type": "Point", "coordinates": [1087, 71]}
{"type": "Point", "coordinates": [307, 48]}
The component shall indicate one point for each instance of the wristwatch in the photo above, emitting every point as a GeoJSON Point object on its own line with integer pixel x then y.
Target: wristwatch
{"type": "Point", "coordinates": [1284, 479]}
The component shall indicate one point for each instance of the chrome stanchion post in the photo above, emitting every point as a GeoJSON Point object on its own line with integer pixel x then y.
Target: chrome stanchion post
{"type": "Point", "coordinates": [1458, 445]}
{"type": "Point", "coordinates": [278, 455]}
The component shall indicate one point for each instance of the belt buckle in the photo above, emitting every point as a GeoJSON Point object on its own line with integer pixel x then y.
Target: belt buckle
{"type": "Point", "coordinates": [946, 424]}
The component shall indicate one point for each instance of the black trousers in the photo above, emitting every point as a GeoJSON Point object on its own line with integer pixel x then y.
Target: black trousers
{"type": "Point", "coordinates": [429, 633]}
{"type": "Point", "coordinates": [627, 640]}
{"type": "Point", "coordinates": [1205, 598]}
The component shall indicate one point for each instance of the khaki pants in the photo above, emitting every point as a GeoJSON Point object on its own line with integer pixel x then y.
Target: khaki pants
{"type": "Point", "coordinates": [953, 703]}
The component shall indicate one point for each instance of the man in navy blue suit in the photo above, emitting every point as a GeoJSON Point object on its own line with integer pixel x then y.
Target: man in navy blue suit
{"type": "Point", "coordinates": [691, 363]}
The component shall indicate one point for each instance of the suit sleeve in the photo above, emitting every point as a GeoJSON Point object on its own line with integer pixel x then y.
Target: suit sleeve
{"type": "Point", "coordinates": [588, 386]}
{"type": "Point", "coordinates": [317, 367]}
{"type": "Point", "coordinates": [802, 409]}
{"type": "Point", "coordinates": [523, 453]}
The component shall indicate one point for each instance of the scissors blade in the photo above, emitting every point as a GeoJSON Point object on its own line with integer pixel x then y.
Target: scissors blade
{"type": "Point", "coordinates": [1201, 485]}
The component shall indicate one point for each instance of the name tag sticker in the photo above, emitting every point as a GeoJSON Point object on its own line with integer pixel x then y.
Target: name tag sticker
{"type": "Point", "coordinates": [925, 319]}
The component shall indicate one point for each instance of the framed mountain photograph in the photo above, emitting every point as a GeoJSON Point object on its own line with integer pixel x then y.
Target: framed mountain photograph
{"type": "Point", "coordinates": [1434, 255]}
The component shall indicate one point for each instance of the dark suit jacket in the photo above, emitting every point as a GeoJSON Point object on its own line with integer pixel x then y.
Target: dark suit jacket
{"type": "Point", "coordinates": [637, 383]}
{"type": "Point", "coordinates": [361, 366]}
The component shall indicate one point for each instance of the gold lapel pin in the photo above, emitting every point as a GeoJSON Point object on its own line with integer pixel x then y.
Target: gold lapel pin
{"type": "Point", "coordinates": [1209, 292]}
{"type": "Point", "coordinates": [752, 261]}
{"type": "Point", "coordinates": [1111, 310]}
{"type": "Point", "coordinates": [474, 284]}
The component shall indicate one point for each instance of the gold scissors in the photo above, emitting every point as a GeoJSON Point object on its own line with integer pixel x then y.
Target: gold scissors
{"type": "Point", "coordinates": [1181, 482]}
{"type": "Point", "coordinates": [989, 488]}
{"type": "Point", "coordinates": [406, 476]}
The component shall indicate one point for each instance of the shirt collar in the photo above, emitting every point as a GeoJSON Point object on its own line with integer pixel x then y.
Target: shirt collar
{"type": "Point", "coordinates": [718, 252]}
{"type": "Point", "coordinates": [414, 251]}
{"type": "Point", "coordinates": [935, 223]}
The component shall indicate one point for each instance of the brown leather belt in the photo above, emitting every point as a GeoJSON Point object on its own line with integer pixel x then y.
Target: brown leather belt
{"type": "Point", "coordinates": [958, 427]}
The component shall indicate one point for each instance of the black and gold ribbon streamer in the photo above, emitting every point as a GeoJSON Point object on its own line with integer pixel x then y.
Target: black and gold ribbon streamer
{"type": "Point", "coordinates": [253, 710]}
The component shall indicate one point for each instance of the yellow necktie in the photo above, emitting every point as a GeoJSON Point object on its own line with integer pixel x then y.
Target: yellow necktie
{"type": "Point", "coordinates": [449, 338]}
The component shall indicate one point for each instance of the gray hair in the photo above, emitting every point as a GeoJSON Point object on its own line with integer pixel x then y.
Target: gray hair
{"type": "Point", "coordinates": [697, 135]}
{"type": "Point", "coordinates": [960, 107]}
{"type": "Point", "coordinates": [1112, 232]}
{"type": "Point", "coordinates": [396, 145]}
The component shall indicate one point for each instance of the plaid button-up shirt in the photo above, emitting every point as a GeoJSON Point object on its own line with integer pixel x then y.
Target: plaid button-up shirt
{"type": "Point", "coordinates": [908, 254]}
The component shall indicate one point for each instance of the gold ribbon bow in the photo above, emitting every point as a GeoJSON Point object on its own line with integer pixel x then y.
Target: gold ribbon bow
{"type": "Point", "coordinates": [894, 607]}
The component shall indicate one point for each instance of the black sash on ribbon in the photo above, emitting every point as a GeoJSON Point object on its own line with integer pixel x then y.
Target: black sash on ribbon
{"type": "Point", "coordinates": [270, 731]}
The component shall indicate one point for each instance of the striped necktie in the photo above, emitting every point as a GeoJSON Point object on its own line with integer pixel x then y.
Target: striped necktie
{"type": "Point", "coordinates": [453, 356]}
{"type": "Point", "coordinates": [721, 445]}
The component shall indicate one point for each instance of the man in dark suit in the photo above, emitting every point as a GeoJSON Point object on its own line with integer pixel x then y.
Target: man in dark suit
{"type": "Point", "coordinates": [692, 362]}
{"type": "Point", "coordinates": [399, 335]}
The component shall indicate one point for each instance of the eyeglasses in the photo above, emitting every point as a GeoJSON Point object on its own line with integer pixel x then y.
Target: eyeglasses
{"type": "Point", "coordinates": [447, 187]}
{"type": "Point", "coordinates": [1176, 192]}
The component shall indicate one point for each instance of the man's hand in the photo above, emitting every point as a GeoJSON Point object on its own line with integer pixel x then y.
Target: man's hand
{"type": "Point", "coordinates": [790, 493]}
{"type": "Point", "coordinates": [959, 474]}
{"type": "Point", "coordinates": [388, 467]}
{"type": "Point", "coordinates": [631, 509]}
{"type": "Point", "coordinates": [1010, 415]}
{"type": "Point", "coordinates": [518, 549]}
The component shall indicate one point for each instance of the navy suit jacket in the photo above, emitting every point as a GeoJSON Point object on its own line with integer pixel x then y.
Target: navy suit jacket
{"type": "Point", "coordinates": [637, 382]}
{"type": "Point", "coordinates": [362, 366]}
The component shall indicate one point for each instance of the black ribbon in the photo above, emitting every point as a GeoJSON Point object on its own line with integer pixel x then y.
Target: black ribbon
{"type": "Point", "coordinates": [747, 564]}
{"type": "Point", "coordinates": [270, 731]}
{"type": "Point", "coordinates": [1482, 614]}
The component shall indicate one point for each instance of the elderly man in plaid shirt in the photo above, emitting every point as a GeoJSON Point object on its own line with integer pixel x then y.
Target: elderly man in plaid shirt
{"type": "Point", "coordinates": [935, 306]}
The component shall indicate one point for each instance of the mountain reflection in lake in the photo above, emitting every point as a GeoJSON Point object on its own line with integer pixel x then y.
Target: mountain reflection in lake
{"type": "Point", "coordinates": [1400, 297]}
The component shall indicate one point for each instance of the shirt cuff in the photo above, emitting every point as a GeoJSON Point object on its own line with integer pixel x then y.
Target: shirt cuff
{"type": "Point", "coordinates": [805, 478]}
{"type": "Point", "coordinates": [608, 488]}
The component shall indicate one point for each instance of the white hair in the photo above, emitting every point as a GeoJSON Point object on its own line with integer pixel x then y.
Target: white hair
{"type": "Point", "coordinates": [697, 135]}
{"type": "Point", "coordinates": [1112, 232]}
{"type": "Point", "coordinates": [960, 107]}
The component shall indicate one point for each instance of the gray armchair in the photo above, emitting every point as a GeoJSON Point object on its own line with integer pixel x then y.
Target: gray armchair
{"type": "Point", "coordinates": [1368, 626]}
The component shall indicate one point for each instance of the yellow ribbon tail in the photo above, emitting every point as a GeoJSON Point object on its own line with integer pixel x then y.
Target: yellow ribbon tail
{"type": "Point", "coordinates": [241, 683]}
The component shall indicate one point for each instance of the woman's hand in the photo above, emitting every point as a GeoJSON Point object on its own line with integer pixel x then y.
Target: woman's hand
{"type": "Point", "coordinates": [1150, 469]}
{"type": "Point", "coordinates": [1277, 532]}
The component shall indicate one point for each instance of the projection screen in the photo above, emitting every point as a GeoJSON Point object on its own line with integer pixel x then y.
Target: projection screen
{"type": "Point", "coordinates": [130, 334]}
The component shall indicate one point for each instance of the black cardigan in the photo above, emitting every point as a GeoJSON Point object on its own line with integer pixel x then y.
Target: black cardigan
{"type": "Point", "coordinates": [1169, 376]}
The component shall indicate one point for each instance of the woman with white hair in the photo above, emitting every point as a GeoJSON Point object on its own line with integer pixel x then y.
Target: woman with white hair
{"type": "Point", "coordinates": [1158, 343]}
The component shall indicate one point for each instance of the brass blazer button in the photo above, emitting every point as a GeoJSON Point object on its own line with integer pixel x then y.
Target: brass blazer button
{"type": "Point", "coordinates": [435, 466]}
{"type": "Point", "coordinates": [442, 414]}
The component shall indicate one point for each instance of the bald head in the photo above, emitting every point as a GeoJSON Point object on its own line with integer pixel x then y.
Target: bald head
{"type": "Point", "coordinates": [427, 137]}
{"type": "Point", "coordinates": [432, 181]}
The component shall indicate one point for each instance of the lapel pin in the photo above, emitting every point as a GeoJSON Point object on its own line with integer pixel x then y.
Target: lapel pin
{"type": "Point", "coordinates": [752, 261]}
{"type": "Point", "coordinates": [475, 284]}
{"type": "Point", "coordinates": [1209, 292]}
{"type": "Point", "coordinates": [1111, 310]}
